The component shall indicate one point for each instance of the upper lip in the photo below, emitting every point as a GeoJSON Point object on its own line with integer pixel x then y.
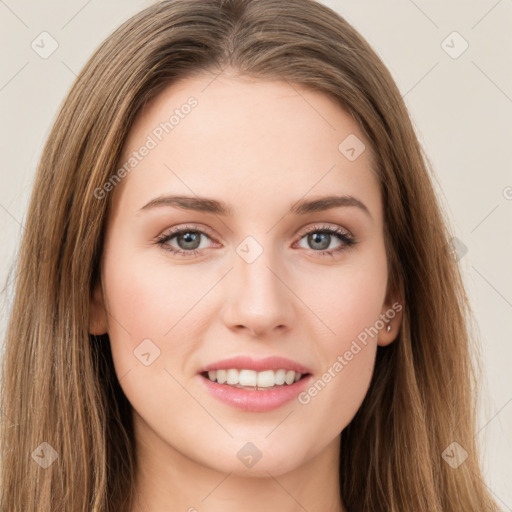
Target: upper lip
{"type": "Point", "coordinates": [249, 363]}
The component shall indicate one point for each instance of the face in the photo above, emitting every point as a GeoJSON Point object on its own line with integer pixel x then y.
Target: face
{"type": "Point", "coordinates": [241, 267]}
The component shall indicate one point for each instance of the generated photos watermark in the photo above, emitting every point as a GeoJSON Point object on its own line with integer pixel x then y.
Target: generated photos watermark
{"type": "Point", "coordinates": [151, 142]}
{"type": "Point", "coordinates": [344, 359]}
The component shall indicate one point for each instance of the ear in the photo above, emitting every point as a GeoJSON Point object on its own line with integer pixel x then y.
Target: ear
{"type": "Point", "coordinates": [97, 312]}
{"type": "Point", "coordinates": [391, 315]}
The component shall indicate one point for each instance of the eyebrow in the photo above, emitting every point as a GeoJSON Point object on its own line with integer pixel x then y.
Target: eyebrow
{"type": "Point", "coordinates": [208, 205]}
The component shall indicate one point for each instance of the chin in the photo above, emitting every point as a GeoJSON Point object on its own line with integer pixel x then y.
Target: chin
{"type": "Point", "coordinates": [257, 456]}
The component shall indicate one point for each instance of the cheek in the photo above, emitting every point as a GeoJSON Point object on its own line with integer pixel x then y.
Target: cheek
{"type": "Point", "coordinates": [357, 303]}
{"type": "Point", "coordinates": [150, 302]}
{"type": "Point", "coordinates": [151, 323]}
{"type": "Point", "coordinates": [149, 295]}
{"type": "Point", "coordinates": [348, 299]}
{"type": "Point", "coordinates": [348, 357]}
{"type": "Point", "coordinates": [333, 397]}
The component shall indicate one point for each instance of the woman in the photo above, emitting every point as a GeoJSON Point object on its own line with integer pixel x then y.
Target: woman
{"type": "Point", "coordinates": [188, 344]}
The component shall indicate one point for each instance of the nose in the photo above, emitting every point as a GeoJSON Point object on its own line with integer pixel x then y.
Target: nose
{"type": "Point", "coordinates": [259, 301]}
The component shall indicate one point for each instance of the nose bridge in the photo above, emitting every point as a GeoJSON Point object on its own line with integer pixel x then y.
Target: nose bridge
{"type": "Point", "coordinates": [258, 297]}
{"type": "Point", "coordinates": [255, 268]}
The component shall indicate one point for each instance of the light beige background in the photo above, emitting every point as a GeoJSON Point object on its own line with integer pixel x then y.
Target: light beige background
{"type": "Point", "coordinates": [461, 108]}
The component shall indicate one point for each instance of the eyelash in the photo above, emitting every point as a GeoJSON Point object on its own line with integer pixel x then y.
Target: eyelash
{"type": "Point", "coordinates": [343, 236]}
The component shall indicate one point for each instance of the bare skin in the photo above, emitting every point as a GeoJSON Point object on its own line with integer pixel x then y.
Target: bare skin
{"type": "Point", "coordinates": [259, 147]}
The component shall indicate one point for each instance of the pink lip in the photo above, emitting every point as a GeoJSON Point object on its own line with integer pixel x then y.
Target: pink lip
{"type": "Point", "coordinates": [259, 365]}
{"type": "Point", "coordinates": [256, 400]}
{"type": "Point", "coordinates": [253, 400]}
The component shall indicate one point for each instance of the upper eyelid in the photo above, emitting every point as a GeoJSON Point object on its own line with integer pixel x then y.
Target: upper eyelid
{"type": "Point", "coordinates": [323, 226]}
{"type": "Point", "coordinates": [175, 231]}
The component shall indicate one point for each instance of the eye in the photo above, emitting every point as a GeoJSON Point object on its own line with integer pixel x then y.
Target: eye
{"type": "Point", "coordinates": [188, 240]}
{"type": "Point", "coordinates": [320, 237]}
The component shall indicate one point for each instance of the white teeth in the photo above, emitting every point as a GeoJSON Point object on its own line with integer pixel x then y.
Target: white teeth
{"type": "Point", "coordinates": [232, 377]}
{"type": "Point", "coordinates": [266, 379]}
{"type": "Point", "coordinates": [253, 379]}
{"type": "Point", "coordinates": [281, 376]}
{"type": "Point", "coordinates": [247, 378]}
{"type": "Point", "coordinates": [290, 377]}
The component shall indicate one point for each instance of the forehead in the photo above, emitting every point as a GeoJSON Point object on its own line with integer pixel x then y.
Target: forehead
{"type": "Point", "coordinates": [245, 141]}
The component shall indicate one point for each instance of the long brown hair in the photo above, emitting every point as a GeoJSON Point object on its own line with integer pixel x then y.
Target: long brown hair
{"type": "Point", "coordinates": [58, 382]}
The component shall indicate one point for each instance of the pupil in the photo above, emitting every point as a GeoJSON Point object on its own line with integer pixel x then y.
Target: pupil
{"type": "Point", "coordinates": [190, 238]}
{"type": "Point", "coordinates": [317, 238]}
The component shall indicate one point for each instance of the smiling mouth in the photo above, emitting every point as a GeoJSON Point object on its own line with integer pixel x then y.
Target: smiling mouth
{"type": "Point", "coordinates": [253, 380]}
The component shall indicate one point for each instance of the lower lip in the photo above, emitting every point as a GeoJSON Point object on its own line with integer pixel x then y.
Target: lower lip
{"type": "Point", "coordinates": [252, 400]}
